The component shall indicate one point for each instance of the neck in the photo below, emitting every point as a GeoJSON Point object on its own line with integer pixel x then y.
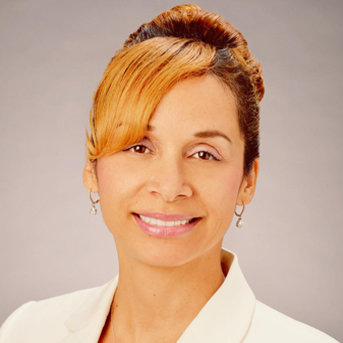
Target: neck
{"type": "Point", "coordinates": [150, 299]}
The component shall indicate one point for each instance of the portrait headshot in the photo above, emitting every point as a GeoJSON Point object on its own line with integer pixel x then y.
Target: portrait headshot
{"type": "Point", "coordinates": [171, 172]}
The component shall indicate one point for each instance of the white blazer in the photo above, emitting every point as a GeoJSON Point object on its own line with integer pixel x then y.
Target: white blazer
{"type": "Point", "coordinates": [231, 315]}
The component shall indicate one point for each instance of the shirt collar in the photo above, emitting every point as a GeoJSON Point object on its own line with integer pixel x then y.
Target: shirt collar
{"type": "Point", "coordinates": [224, 318]}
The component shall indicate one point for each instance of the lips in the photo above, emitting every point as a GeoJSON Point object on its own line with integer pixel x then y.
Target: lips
{"type": "Point", "coordinates": [166, 217]}
{"type": "Point", "coordinates": [167, 231]}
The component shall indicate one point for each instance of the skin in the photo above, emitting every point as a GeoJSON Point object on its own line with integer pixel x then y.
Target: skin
{"type": "Point", "coordinates": [172, 174]}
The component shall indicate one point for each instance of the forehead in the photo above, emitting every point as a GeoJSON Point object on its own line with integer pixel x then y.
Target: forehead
{"type": "Point", "coordinates": [200, 103]}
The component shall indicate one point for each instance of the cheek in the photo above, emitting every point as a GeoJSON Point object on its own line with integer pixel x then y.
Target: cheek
{"type": "Point", "coordinates": [225, 186]}
{"type": "Point", "coordinates": [112, 187]}
{"type": "Point", "coordinates": [222, 195]}
{"type": "Point", "coordinates": [111, 178]}
{"type": "Point", "coordinates": [118, 187]}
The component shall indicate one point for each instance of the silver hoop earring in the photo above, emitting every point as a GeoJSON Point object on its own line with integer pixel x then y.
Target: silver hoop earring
{"type": "Point", "coordinates": [240, 222]}
{"type": "Point", "coordinates": [93, 209]}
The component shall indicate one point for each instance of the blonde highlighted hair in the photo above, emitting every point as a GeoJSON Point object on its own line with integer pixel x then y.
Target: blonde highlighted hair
{"type": "Point", "coordinates": [178, 44]}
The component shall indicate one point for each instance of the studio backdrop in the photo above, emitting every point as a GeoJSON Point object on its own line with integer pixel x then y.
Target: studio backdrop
{"type": "Point", "coordinates": [52, 57]}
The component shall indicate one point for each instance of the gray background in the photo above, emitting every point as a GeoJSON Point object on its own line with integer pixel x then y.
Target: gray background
{"type": "Point", "coordinates": [53, 54]}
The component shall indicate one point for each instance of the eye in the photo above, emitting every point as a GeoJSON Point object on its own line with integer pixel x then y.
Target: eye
{"type": "Point", "coordinates": [204, 154]}
{"type": "Point", "coordinates": [138, 148]}
{"type": "Point", "coordinates": [142, 149]}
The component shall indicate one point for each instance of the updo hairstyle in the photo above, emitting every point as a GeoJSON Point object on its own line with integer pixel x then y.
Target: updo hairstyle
{"type": "Point", "coordinates": [183, 42]}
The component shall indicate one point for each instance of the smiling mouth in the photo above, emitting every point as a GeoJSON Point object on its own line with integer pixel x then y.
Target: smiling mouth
{"type": "Point", "coordinates": [163, 223]}
{"type": "Point", "coordinates": [165, 229]}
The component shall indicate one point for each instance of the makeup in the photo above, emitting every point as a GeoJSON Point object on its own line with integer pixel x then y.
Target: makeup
{"type": "Point", "coordinates": [165, 230]}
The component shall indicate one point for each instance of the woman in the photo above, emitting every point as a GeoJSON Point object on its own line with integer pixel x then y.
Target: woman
{"type": "Point", "coordinates": [173, 149]}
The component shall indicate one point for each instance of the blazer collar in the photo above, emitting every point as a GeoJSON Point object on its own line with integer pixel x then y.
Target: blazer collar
{"type": "Point", "coordinates": [87, 322]}
{"type": "Point", "coordinates": [224, 318]}
{"type": "Point", "coordinates": [227, 315]}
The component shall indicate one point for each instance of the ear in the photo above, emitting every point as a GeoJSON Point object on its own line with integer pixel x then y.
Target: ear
{"type": "Point", "coordinates": [248, 186]}
{"type": "Point", "coordinates": [90, 179]}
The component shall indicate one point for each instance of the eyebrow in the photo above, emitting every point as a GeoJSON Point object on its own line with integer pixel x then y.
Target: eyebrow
{"type": "Point", "coordinates": [202, 134]}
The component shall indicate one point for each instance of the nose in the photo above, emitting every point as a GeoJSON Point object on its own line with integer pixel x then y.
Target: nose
{"type": "Point", "coordinates": [168, 178]}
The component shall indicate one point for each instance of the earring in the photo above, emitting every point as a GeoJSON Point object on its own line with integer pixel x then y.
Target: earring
{"type": "Point", "coordinates": [240, 222]}
{"type": "Point", "coordinates": [93, 209]}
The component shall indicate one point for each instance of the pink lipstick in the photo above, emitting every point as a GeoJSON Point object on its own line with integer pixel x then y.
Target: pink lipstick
{"type": "Point", "coordinates": [166, 231]}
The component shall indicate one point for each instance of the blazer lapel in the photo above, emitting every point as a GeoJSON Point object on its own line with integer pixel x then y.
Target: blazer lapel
{"type": "Point", "coordinates": [226, 316]}
{"type": "Point", "coordinates": [87, 322]}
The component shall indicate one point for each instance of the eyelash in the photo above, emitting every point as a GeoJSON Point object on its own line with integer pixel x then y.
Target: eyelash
{"type": "Point", "coordinates": [142, 145]}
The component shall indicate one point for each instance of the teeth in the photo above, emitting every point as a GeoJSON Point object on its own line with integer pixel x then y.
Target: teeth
{"type": "Point", "coordinates": [159, 222]}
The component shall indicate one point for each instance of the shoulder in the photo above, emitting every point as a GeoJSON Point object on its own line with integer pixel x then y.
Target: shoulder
{"type": "Point", "coordinates": [48, 313]}
{"type": "Point", "coordinates": [269, 325]}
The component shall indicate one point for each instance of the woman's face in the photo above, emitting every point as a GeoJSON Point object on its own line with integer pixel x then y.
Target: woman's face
{"type": "Point", "coordinates": [190, 163]}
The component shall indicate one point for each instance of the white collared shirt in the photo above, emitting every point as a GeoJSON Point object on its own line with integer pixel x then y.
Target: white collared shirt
{"type": "Point", "coordinates": [231, 315]}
